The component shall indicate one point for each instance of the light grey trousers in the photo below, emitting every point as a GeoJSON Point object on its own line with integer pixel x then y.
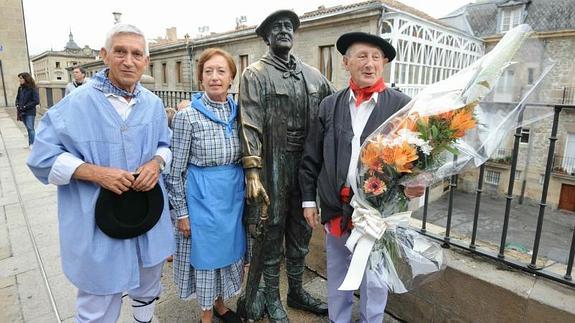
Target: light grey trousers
{"type": "Point", "coordinates": [106, 308]}
{"type": "Point", "coordinates": [373, 294]}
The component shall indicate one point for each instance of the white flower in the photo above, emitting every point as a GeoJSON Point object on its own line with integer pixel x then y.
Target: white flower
{"type": "Point", "coordinates": [412, 138]}
{"type": "Point", "coordinates": [426, 148]}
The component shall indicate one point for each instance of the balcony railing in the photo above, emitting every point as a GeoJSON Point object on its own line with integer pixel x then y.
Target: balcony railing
{"type": "Point", "coordinates": [534, 266]}
{"type": "Point", "coordinates": [172, 98]}
{"type": "Point", "coordinates": [502, 156]}
{"type": "Point", "coordinates": [568, 95]}
{"type": "Point", "coordinates": [564, 165]}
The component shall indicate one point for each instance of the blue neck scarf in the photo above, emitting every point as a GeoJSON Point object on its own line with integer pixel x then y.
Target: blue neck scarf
{"type": "Point", "coordinates": [198, 104]}
{"type": "Point", "coordinates": [101, 82]}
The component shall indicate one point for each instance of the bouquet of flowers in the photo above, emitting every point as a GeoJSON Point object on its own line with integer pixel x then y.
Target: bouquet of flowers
{"type": "Point", "coordinates": [448, 127]}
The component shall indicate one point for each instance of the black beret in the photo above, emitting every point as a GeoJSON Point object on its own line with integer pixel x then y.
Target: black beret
{"type": "Point", "coordinates": [130, 214]}
{"type": "Point", "coordinates": [349, 39]}
{"type": "Point", "coordinates": [261, 30]}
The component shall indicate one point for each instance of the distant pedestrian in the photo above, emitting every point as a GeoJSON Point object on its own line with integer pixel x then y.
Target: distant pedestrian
{"type": "Point", "coordinates": [105, 147]}
{"type": "Point", "coordinates": [78, 79]}
{"type": "Point", "coordinates": [26, 101]}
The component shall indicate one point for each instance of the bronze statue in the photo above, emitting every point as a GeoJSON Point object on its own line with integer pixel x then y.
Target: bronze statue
{"type": "Point", "coordinates": [279, 96]}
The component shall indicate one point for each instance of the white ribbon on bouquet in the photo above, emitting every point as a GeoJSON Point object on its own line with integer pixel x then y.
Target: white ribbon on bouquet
{"type": "Point", "coordinates": [368, 227]}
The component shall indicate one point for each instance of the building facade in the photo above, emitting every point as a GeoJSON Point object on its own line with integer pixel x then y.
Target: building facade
{"type": "Point", "coordinates": [554, 24]}
{"type": "Point", "coordinates": [14, 58]}
{"type": "Point", "coordinates": [53, 66]}
{"type": "Point", "coordinates": [428, 50]}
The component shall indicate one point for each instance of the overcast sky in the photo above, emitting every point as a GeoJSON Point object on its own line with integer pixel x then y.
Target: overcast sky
{"type": "Point", "coordinates": [48, 22]}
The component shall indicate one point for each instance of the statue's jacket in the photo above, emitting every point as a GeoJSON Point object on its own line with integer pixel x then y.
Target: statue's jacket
{"type": "Point", "coordinates": [277, 105]}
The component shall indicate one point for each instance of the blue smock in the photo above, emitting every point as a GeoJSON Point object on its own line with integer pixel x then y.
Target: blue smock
{"type": "Point", "coordinates": [86, 125]}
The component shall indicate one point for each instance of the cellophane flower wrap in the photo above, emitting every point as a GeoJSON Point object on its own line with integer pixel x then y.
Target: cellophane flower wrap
{"type": "Point", "coordinates": [450, 126]}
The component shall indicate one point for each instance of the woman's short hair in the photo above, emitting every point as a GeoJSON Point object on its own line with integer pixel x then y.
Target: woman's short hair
{"type": "Point", "coordinates": [125, 29]}
{"type": "Point", "coordinates": [28, 80]}
{"type": "Point", "coordinates": [209, 53]}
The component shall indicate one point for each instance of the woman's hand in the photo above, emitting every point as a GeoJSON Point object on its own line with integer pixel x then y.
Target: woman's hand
{"type": "Point", "coordinates": [184, 226]}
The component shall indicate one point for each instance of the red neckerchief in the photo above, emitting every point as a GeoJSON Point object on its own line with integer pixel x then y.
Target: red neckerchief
{"type": "Point", "coordinates": [363, 94]}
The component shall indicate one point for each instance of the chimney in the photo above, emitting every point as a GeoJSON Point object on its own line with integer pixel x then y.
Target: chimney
{"type": "Point", "coordinates": [171, 34]}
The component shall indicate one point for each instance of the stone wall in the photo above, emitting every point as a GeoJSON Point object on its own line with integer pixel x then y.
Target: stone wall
{"type": "Point", "coordinates": [474, 289]}
{"type": "Point", "coordinates": [561, 50]}
{"type": "Point", "coordinates": [171, 59]}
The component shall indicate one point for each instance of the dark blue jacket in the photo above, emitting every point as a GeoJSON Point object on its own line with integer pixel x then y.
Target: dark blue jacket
{"type": "Point", "coordinates": [325, 163]}
{"type": "Point", "coordinates": [27, 99]}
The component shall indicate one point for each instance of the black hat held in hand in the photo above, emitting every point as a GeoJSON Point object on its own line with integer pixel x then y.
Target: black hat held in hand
{"type": "Point", "coordinates": [130, 214]}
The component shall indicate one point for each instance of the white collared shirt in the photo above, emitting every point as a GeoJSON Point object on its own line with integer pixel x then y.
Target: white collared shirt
{"type": "Point", "coordinates": [66, 164]}
{"type": "Point", "coordinates": [359, 116]}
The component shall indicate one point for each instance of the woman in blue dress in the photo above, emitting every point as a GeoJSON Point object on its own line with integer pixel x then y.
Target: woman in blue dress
{"type": "Point", "coordinates": [206, 189]}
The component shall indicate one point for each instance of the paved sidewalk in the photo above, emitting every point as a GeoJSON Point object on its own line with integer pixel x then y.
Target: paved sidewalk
{"type": "Point", "coordinates": [32, 285]}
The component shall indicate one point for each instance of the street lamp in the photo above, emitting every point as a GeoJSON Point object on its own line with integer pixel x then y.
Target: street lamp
{"type": "Point", "coordinates": [189, 50]}
{"type": "Point", "coordinates": [117, 17]}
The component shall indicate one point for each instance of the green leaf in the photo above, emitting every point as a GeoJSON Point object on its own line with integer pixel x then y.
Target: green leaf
{"type": "Point", "coordinates": [452, 150]}
{"type": "Point", "coordinates": [434, 131]}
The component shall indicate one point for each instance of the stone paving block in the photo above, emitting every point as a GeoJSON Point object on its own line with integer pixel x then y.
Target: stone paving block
{"type": "Point", "coordinates": [14, 215]}
{"type": "Point", "coordinates": [35, 192]}
{"type": "Point", "coordinates": [5, 249]}
{"type": "Point", "coordinates": [45, 234]}
{"type": "Point", "coordinates": [36, 306]}
{"type": "Point", "coordinates": [7, 281]}
{"type": "Point", "coordinates": [17, 265]}
{"type": "Point", "coordinates": [64, 294]}
{"type": "Point", "coordinates": [44, 202]}
{"type": "Point", "coordinates": [9, 302]}
{"type": "Point", "coordinates": [3, 217]}
{"type": "Point", "coordinates": [20, 238]}
{"type": "Point", "coordinates": [8, 199]}
{"type": "Point", "coordinates": [51, 259]}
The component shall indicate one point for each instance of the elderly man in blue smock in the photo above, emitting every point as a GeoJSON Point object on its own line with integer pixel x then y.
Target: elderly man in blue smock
{"type": "Point", "coordinates": [110, 135]}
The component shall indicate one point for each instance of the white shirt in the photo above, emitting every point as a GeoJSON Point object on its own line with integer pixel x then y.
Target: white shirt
{"type": "Point", "coordinates": [359, 116]}
{"type": "Point", "coordinates": [66, 164]}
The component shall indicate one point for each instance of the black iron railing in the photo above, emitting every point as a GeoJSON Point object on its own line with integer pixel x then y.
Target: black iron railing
{"type": "Point", "coordinates": [568, 95]}
{"type": "Point", "coordinates": [564, 165]}
{"type": "Point", "coordinates": [172, 98]}
{"type": "Point", "coordinates": [532, 266]}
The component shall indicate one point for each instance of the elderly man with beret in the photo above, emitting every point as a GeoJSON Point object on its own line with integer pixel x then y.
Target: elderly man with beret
{"type": "Point", "coordinates": [329, 164]}
{"type": "Point", "coordinates": [279, 96]}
